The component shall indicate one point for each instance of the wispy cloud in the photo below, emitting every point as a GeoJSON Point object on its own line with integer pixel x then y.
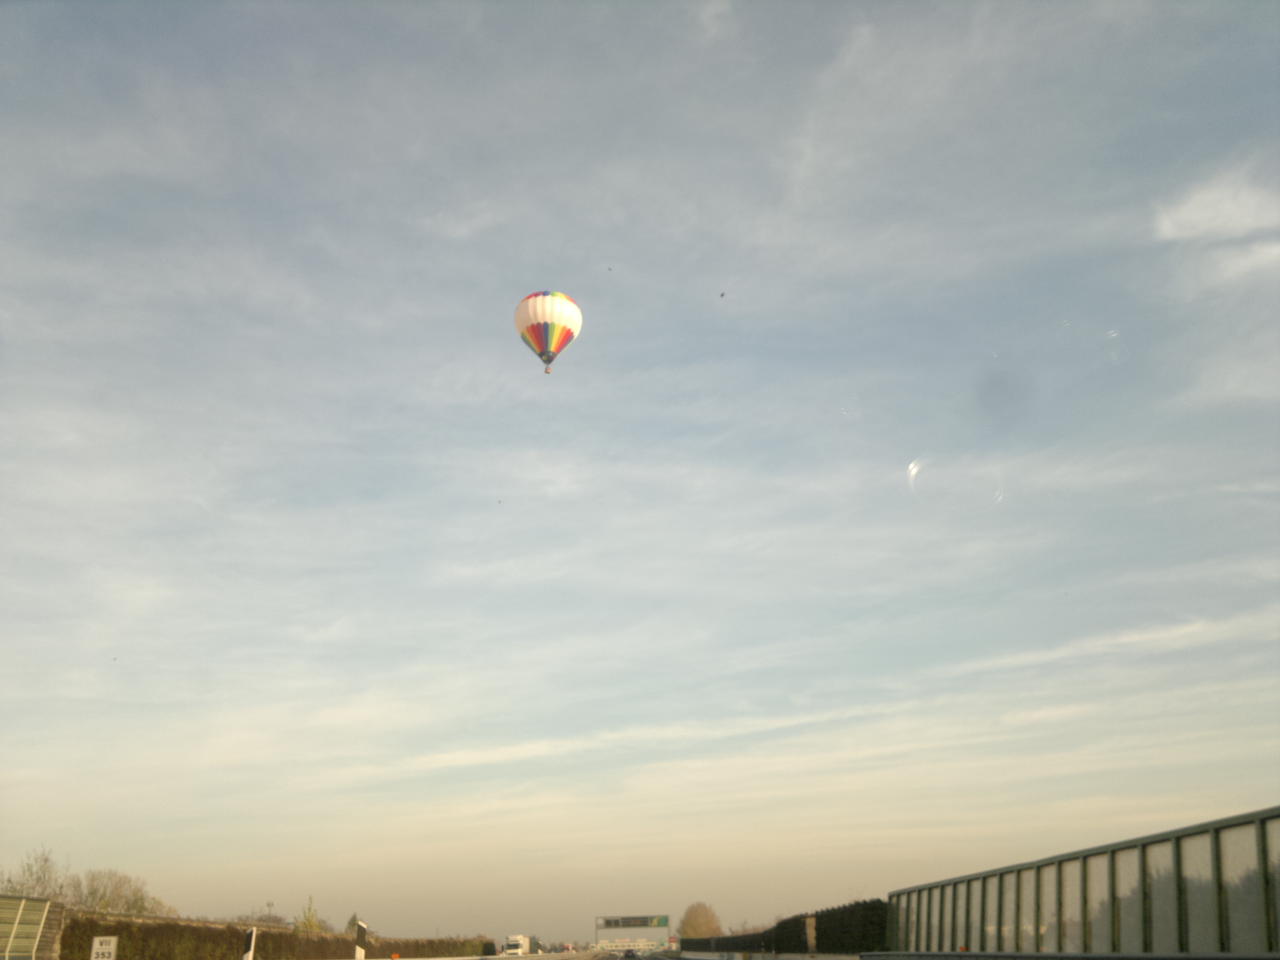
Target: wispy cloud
{"type": "Point", "coordinates": [1230, 205]}
{"type": "Point", "coordinates": [1256, 626]}
{"type": "Point", "coordinates": [289, 513]}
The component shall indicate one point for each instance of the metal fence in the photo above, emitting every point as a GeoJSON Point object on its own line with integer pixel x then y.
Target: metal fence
{"type": "Point", "coordinates": [1209, 888]}
{"type": "Point", "coordinates": [29, 928]}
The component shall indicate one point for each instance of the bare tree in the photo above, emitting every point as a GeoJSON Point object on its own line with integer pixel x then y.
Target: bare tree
{"type": "Point", "coordinates": [109, 891]}
{"type": "Point", "coordinates": [37, 876]}
{"type": "Point", "coordinates": [310, 923]}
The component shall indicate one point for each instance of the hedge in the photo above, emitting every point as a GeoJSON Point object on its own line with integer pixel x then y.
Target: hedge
{"type": "Point", "coordinates": [851, 928]}
{"type": "Point", "coordinates": [789, 936]}
{"type": "Point", "coordinates": [155, 939]}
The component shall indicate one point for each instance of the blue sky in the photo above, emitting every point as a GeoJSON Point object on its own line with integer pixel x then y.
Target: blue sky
{"type": "Point", "coordinates": [907, 506]}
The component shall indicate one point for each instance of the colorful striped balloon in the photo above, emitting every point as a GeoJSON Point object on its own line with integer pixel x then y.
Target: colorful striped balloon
{"type": "Point", "coordinates": [548, 321]}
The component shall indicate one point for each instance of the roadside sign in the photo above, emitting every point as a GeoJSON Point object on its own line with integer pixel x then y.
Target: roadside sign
{"type": "Point", "coordinates": [104, 948]}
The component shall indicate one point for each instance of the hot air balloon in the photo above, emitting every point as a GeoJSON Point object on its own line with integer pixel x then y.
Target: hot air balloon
{"type": "Point", "coordinates": [548, 320]}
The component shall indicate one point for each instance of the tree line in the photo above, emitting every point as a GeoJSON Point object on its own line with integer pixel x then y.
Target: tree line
{"type": "Point", "coordinates": [111, 891]}
{"type": "Point", "coordinates": [106, 891]}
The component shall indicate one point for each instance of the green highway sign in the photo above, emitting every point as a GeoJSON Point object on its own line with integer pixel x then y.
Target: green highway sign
{"type": "Point", "coordinates": [653, 920]}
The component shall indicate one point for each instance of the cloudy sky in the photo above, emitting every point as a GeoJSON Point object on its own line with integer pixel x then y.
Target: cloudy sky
{"type": "Point", "coordinates": [908, 505]}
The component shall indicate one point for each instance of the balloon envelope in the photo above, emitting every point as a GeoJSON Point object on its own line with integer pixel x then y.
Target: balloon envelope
{"type": "Point", "coordinates": [548, 321]}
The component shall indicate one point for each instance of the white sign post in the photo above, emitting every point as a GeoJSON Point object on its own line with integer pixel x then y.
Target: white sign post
{"type": "Point", "coordinates": [104, 948]}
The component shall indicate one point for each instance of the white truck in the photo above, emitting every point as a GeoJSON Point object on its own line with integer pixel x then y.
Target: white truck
{"type": "Point", "coordinates": [517, 945]}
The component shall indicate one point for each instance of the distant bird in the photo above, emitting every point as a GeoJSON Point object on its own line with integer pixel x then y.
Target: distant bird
{"type": "Point", "coordinates": [721, 294]}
